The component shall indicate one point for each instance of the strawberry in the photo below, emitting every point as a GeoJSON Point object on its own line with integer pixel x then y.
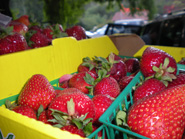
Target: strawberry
{"type": "Point", "coordinates": [43, 117]}
{"type": "Point", "coordinates": [19, 27]}
{"type": "Point", "coordinates": [160, 115]}
{"type": "Point", "coordinates": [64, 79]}
{"type": "Point", "coordinates": [74, 104]}
{"type": "Point", "coordinates": [157, 62]}
{"type": "Point", "coordinates": [182, 61]}
{"type": "Point", "coordinates": [13, 42]}
{"type": "Point", "coordinates": [124, 81]}
{"type": "Point", "coordinates": [117, 69]}
{"type": "Point", "coordinates": [101, 102]}
{"type": "Point", "coordinates": [107, 85]}
{"type": "Point", "coordinates": [24, 19]}
{"type": "Point", "coordinates": [68, 90]}
{"type": "Point", "coordinates": [148, 87]}
{"type": "Point", "coordinates": [77, 32]}
{"type": "Point", "coordinates": [37, 39]}
{"type": "Point", "coordinates": [82, 80]}
{"type": "Point", "coordinates": [179, 80]}
{"type": "Point", "coordinates": [37, 91]}
{"type": "Point", "coordinates": [48, 32]}
{"type": "Point", "coordinates": [36, 28]}
{"type": "Point", "coordinates": [25, 110]}
{"type": "Point", "coordinates": [132, 64]}
{"type": "Point", "coordinates": [74, 130]}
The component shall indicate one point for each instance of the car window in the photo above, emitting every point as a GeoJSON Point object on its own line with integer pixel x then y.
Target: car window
{"type": "Point", "coordinates": [171, 33]}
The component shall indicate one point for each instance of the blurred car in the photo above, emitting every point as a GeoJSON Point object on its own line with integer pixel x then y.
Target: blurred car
{"type": "Point", "coordinates": [131, 21]}
{"type": "Point", "coordinates": [166, 30]}
{"type": "Point", "coordinates": [98, 32]}
{"type": "Point", "coordinates": [114, 28]}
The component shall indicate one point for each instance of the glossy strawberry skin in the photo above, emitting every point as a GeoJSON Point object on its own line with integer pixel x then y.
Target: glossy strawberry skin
{"type": "Point", "coordinates": [179, 80]}
{"type": "Point", "coordinates": [74, 130]}
{"type": "Point", "coordinates": [19, 27]}
{"type": "Point", "coordinates": [154, 57]}
{"type": "Point", "coordinates": [43, 117]}
{"type": "Point", "coordinates": [48, 32]}
{"type": "Point", "coordinates": [107, 85]}
{"type": "Point", "coordinates": [12, 43]}
{"type": "Point", "coordinates": [37, 91]}
{"type": "Point", "coordinates": [147, 88]}
{"type": "Point", "coordinates": [83, 104]}
{"type": "Point", "coordinates": [77, 32]}
{"type": "Point", "coordinates": [26, 111]}
{"type": "Point", "coordinates": [78, 81]}
{"type": "Point", "coordinates": [38, 39]}
{"type": "Point", "coordinates": [101, 102]}
{"type": "Point", "coordinates": [132, 65]}
{"type": "Point", "coordinates": [82, 68]}
{"type": "Point", "coordinates": [161, 115]}
{"type": "Point", "coordinates": [24, 19]}
{"type": "Point", "coordinates": [118, 70]}
{"type": "Point", "coordinates": [124, 81]}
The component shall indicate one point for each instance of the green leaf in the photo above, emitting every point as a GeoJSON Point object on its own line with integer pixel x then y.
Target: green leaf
{"type": "Point", "coordinates": [71, 107]}
{"type": "Point", "coordinates": [88, 129]}
{"type": "Point", "coordinates": [121, 118]}
{"type": "Point", "coordinates": [40, 110]}
{"type": "Point", "coordinates": [89, 79]}
{"type": "Point", "coordinates": [78, 123]}
{"type": "Point", "coordinates": [166, 62]}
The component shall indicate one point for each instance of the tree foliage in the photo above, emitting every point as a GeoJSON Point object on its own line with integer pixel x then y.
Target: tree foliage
{"type": "Point", "coordinates": [65, 12]}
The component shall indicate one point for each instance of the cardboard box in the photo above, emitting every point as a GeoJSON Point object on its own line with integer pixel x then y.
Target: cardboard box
{"type": "Point", "coordinates": [63, 56]}
{"type": "Point", "coordinates": [127, 44]}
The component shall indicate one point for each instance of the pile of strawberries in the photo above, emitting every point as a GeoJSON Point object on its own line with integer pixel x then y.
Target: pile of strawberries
{"type": "Point", "coordinates": [158, 110]}
{"type": "Point", "coordinates": [83, 98]}
{"type": "Point", "coordinates": [21, 34]}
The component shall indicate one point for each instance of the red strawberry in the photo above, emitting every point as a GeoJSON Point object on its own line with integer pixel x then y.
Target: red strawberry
{"type": "Point", "coordinates": [101, 102]}
{"type": "Point", "coordinates": [132, 64]}
{"type": "Point", "coordinates": [82, 80]}
{"type": "Point", "coordinates": [124, 81]}
{"type": "Point", "coordinates": [117, 69]}
{"type": "Point", "coordinates": [19, 27]}
{"type": "Point", "coordinates": [12, 43]}
{"type": "Point", "coordinates": [148, 87]}
{"type": "Point", "coordinates": [64, 79]}
{"type": "Point", "coordinates": [37, 39]}
{"type": "Point", "coordinates": [77, 32]}
{"type": "Point", "coordinates": [151, 64]}
{"type": "Point", "coordinates": [24, 19]}
{"type": "Point", "coordinates": [179, 80]}
{"type": "Point", "coordinates": [109, 86]}
{"type": "Point", "coordinates": [48, 32]}
{"type": "Point", "coordinates": [81, 105]}
{"type": "Point", "coordinates": [36, 28]}
{"type": "Point", "coordinates": [161, 115]}
{"type": "Point", "coordinates": [74, 130]}
{"type": "Point", "coordinates": [37, 91]}
{"type": "Point", "coordinates": [68, 90]}
{"type": "Point", "coordinates": [25, 110]}
{"type": "Point", "coordinates": [43, 117]}
{"type": "Point", "coordinates": [182, 61]}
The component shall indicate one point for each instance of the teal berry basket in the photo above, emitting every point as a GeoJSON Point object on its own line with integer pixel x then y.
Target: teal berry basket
{"type": "Point", "coordinates": [109, 116]}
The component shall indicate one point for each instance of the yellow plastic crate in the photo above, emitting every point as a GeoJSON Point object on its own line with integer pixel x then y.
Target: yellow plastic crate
{"type": "Point", "coordinates": [60, 58]}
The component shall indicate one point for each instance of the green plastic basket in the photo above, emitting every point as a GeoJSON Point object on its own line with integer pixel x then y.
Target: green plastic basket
{"type": "Point", "coordinates": [108, 118]}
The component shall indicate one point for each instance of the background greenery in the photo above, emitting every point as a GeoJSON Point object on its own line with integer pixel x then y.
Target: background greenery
{"type": "Point", "coordinates": [87, 13]}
